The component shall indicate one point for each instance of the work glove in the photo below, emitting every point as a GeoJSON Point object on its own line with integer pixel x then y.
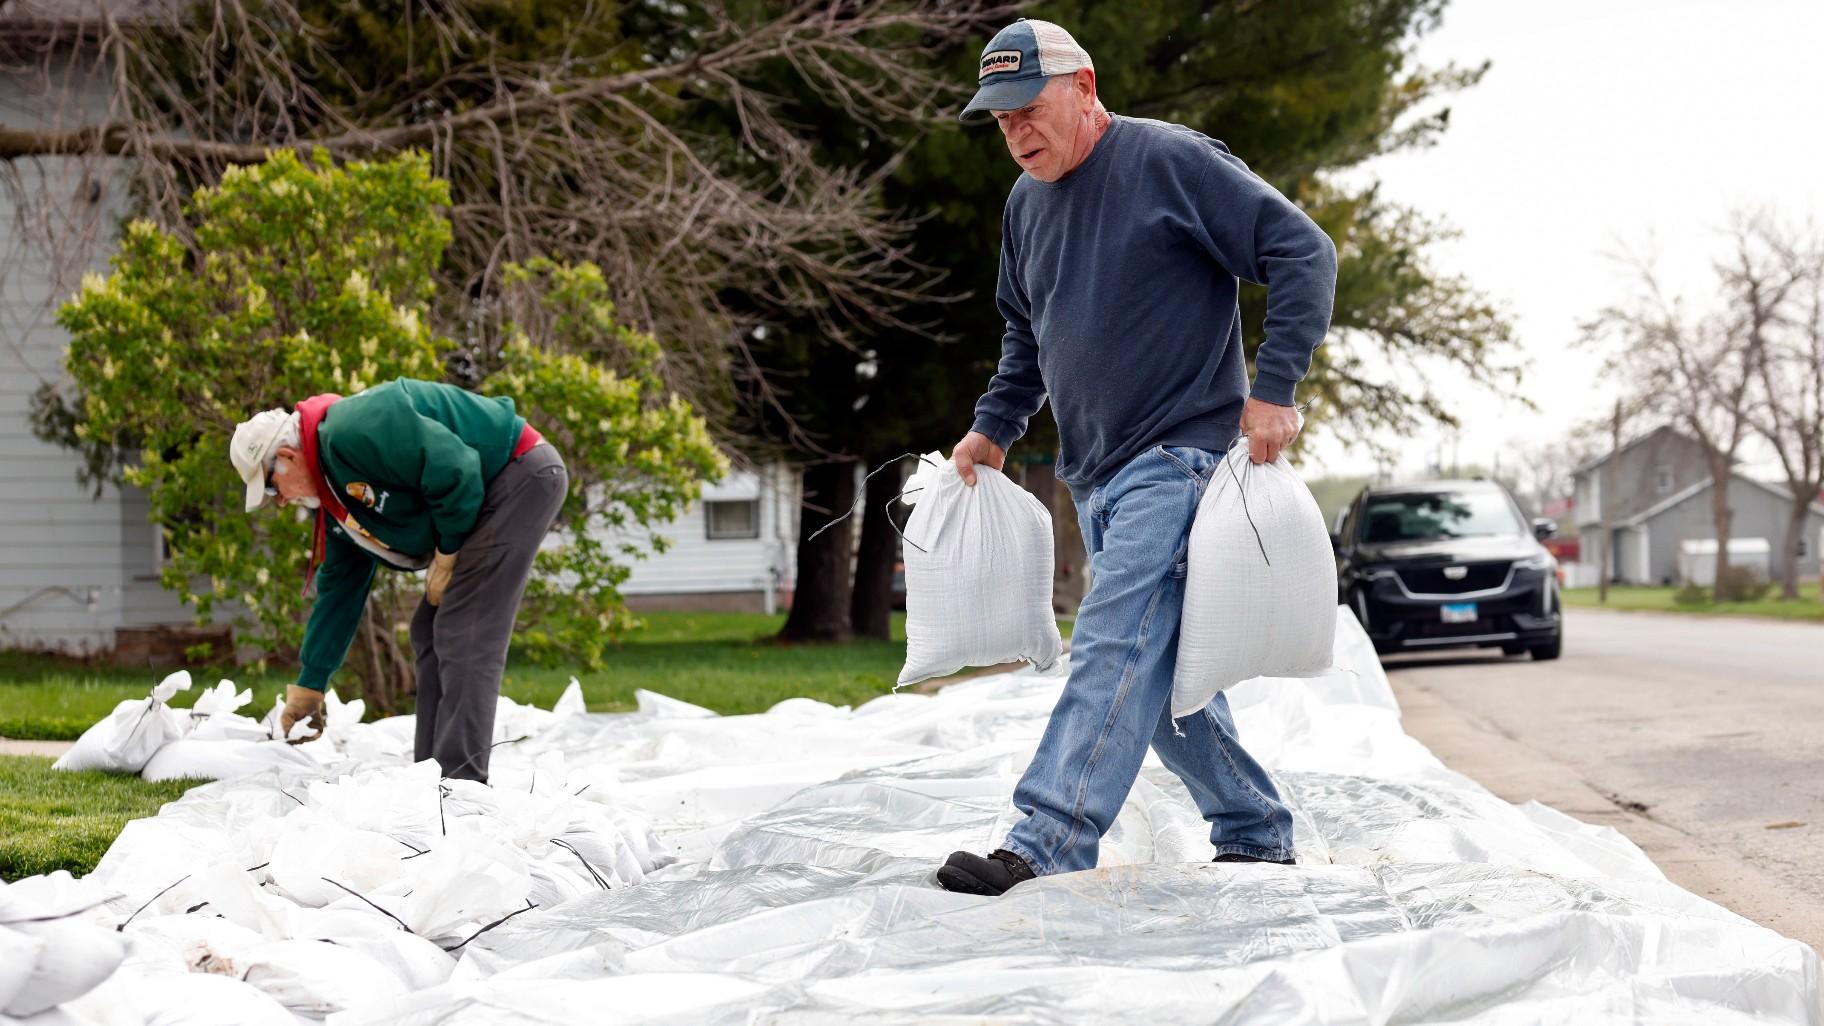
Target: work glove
{"type": "Point", "coordinates": [443, 565]}
{"type": "Point", "coordinates": [305, 704]}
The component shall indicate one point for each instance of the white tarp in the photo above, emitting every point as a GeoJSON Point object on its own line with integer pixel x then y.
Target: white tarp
{"type": "Point", "coordinates": [787, 877]}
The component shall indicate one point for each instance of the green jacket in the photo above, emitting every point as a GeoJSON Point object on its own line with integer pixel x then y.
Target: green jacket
{"type": "Point", "coordinates": [411, 460]}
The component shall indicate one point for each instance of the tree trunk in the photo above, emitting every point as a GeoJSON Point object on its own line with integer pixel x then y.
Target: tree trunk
{"type": "Point", "coordinates": [820, 600]}
{"type": "Point", "coordinates": [871, 607]}
{"type": "Point", "coordinates": [1789, 559]}
{"type": "Point", "coordinates": [1042, 481]}
{"type": "Point", "coordinates": [387, 671]}
{"type": "Point", "coordinates": [1606, 564]}
{"type": "Point", "coordinates": [1720, 512]}
{"type": "Point", "coordinates": [1072, 581]}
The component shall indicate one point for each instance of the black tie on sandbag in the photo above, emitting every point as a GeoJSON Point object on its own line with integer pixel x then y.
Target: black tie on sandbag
{"type": "Point", "coordinates": [1242, 490]}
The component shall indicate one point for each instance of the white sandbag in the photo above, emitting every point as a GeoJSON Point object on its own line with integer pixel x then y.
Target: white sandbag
{"type": "Point", "coordinates": [181, 999]}
{"type": "Point", "coordinates": [18, 954]}
{"type": "Point", "coordinates": [1260, 591]}
{"type": "Point", "coordinates": [317, 977]}
{"type": "Point", "coordinates": [132, 733]}
{"type": "Point", "coordinates": [51, 896]}
{"type": "Point", "coordinates": [978, 573]}
{"type": "Point", "coordinates": [341, 719]}
{"type": "Point", "coordinates": [514, 722]}
{"type": "Point", "coordinates": [224, 758]}
{"type": "Point", "coordinates": [49, 952]}
{"type": "Point", "coordinates": [205, 943]}
{"type": "Point", "coordinates": [215, 716]}
{"type": "Point", "coordinates": [73, 956]}
{"type": "Point", "coordinates": [315, 851]}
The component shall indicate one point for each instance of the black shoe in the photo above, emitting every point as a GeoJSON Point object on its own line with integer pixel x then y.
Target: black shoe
{"type": "Point", "coordinates": [968, 873]}
{"type": "Point", "coordinates": [1235, 856]}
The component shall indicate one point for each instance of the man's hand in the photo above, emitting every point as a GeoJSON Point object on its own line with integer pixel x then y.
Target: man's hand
{"type": "Point", "coordinates": [305, 704]}
{"type": "Point", "coordinates": [1269, 427]}
{"type": "Point", "coordinates": [976, 448]}
{"type": "Point", "coordinates": [443, 565]}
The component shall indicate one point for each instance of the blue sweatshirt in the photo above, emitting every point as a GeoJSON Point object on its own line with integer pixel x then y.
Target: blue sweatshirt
{"type": "Point", "coordinates": [1119, 285]}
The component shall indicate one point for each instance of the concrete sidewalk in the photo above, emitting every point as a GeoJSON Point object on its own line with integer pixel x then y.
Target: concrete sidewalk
{"type": "Point", "coordinates": [9, 746]}
{"type": "Point", "coordinates": [1519, 773]}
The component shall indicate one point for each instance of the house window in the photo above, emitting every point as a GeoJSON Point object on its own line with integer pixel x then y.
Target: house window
{"type": "Point", "coordinates": [1663, 479]}
{"type": "Point", "coordinates": [739, 519]}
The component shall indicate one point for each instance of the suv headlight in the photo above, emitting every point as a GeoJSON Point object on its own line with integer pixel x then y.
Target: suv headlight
{"type": "Point", "coordinates": [1542, 561]}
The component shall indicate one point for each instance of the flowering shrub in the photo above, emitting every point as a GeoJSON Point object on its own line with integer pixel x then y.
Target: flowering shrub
{"type": "Point", "coordinates": [298, 276]}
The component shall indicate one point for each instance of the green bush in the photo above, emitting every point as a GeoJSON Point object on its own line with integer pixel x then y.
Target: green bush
{"type": "Point", "coordinates": [296, 277]}
{"type": "Point", "coordinates": [1743, 584]}
{"type": "Point", "coordinates": [1692, 594]}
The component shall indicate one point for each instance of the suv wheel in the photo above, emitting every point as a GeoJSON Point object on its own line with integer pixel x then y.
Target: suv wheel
{"type": "Point", "coordinates": [1551, 649]}
{"type": "Point", "coordinates": [1512, 649]}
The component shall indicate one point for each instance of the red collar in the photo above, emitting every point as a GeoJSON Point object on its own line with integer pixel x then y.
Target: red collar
{"type": "Point", "coordinates": [310, 416]}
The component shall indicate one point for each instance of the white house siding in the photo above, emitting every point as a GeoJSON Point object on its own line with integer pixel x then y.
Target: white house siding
{"type": "Point", "coordinates": [145, 602]}
{"type": "Point", "coordinates": [699, 572]}
{"type": "Point", "coordinates": [60, 574]}
{"type": "Point", "coordinates": [64, 583]}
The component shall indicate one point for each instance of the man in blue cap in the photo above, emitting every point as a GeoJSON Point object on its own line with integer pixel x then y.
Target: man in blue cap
{"type": "Point", "coordinates": [1122, 246]}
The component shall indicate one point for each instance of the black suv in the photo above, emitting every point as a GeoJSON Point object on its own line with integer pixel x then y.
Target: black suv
{"type": "Point", "coordinates": [1443, 564]}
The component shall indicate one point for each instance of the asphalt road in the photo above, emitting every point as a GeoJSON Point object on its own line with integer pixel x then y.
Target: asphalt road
{"type": "Point", "coordinates": [1702, 738]}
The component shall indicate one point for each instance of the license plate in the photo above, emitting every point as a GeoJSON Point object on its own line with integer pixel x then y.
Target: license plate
{"type": "Point", "coordinates": [1458, 612]}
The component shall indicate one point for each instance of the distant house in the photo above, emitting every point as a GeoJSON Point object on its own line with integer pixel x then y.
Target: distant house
{"type": "Point", "coordinates": [1658, 497]}
{"type": "Point", "coordinates": [735, 550]}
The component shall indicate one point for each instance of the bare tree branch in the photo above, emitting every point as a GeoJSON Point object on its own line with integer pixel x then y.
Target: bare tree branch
{"type": "Point", "coordinates": [603, 149]}
{"type": "Point", "coordinates": [1701, 370]}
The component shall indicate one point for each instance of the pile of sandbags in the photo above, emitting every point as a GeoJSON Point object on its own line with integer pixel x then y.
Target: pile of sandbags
{"type": "Point", "coordinates": [213, 740]}
{"type": "Point", "coordinates": [218, 742]}
{"type": "Point", "coordinates": [129, 736]}
{"type": "Point", "coordinates": [978, 573]}
{"type": "Point", "coordinates": [368, 886]}
{"type": "Point", "coordinates": [210, 740]}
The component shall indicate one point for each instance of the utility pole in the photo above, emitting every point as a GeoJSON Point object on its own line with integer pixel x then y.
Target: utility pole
{"type": "Point", "coordinates": [1608, 506]}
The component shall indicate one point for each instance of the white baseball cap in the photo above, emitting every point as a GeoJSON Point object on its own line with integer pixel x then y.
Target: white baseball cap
{"type": "Point", "coordinates": [255, 442]}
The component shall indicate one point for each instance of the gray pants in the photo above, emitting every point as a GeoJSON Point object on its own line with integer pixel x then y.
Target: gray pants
{"type": "Point", "coordinates": [461, 644]}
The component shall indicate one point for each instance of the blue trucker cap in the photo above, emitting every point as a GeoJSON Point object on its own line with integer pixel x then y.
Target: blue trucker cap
{"type": "Point", "coordinates": [1016, 63]}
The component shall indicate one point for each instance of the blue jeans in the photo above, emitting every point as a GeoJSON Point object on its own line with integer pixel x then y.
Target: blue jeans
{"type": "Point", "coordinates": [1137, 527]}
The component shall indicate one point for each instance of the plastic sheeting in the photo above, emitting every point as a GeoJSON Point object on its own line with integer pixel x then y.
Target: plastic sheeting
{"type": "Point", "coordinates": [794, 884]}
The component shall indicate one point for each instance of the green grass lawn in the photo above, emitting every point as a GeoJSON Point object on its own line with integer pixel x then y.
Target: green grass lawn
{"type": "Point", "coordinates": [1808, 606]}
{"type": "Point", "coordinates": [50, 819]}
{"type": "Point", "coordinates": [722, 661]}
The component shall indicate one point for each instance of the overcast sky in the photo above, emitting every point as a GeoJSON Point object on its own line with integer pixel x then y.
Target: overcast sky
{"type": "Point", "coordinates": [1601, 124]}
